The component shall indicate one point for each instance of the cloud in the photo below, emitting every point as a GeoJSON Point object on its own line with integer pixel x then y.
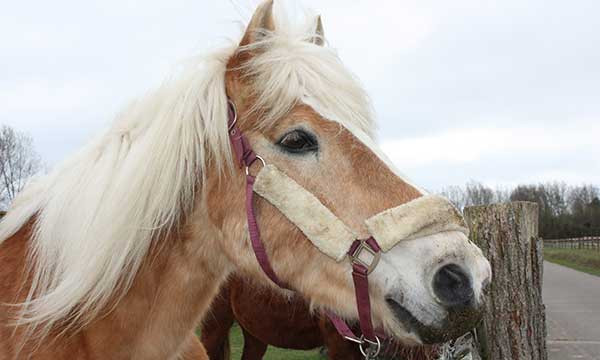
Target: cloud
{"type": "Point", "coordinates": [500, 156]}
{"type": "Point", "coordinates": [460, 146]}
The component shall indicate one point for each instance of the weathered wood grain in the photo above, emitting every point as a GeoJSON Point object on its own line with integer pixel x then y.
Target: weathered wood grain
{"type": "Point", "coordinates": [514, 325]}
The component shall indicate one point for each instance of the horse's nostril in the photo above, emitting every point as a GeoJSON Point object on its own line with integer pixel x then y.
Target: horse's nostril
{"type": "Point", "coordinates": [452, 286]}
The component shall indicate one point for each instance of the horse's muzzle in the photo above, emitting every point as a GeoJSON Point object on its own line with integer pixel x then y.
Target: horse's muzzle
{"type": "Point", "coordinates": [453, 294]}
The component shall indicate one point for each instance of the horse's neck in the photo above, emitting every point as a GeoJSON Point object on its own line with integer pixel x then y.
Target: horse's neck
{"type": "Point", "coordinates": [169, 296]}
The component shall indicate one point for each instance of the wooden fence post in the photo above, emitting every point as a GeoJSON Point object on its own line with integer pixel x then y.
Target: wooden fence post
{"type": "Point", "coordinates": [514, 325]}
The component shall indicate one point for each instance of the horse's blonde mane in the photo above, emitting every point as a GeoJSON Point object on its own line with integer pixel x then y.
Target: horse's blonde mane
{"type": "Point", "coordinates": [98, 214]}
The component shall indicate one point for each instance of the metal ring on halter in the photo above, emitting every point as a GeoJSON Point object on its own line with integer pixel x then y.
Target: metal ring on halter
{"type": "Point", "coordinates": [367, 353]}
{"type": "Point", "coordinates": [235, 116]}
{"type": "Point", "coordinates": [374, 256]}
{"type": "Point", "coordinates": [257, 158]}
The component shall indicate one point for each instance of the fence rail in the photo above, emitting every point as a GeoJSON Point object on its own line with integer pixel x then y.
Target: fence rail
{"type": "Point", "coordinates": [587, 242]}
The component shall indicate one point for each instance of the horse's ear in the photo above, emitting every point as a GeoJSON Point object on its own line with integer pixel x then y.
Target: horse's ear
{"type": "Point", "coordinates": [319, 38]}
{"type": "Point", "coordinates": [261, 23]}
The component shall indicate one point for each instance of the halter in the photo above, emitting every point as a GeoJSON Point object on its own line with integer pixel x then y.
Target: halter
{"type": "Point", "coordinates": [331, 236]}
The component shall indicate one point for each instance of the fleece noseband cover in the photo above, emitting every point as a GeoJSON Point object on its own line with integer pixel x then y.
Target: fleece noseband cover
{"type": "Point", "coordinates": [427, 215]}
{"type": "Point", "coordinates": [423, 216]}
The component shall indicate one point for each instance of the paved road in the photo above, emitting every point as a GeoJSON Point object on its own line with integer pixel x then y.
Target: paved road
{"type": "Point", "coordinates": [572, 301]}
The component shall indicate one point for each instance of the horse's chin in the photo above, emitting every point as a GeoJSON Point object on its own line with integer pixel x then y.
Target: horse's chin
{"type": "Point", "coordinates": [434, 334]}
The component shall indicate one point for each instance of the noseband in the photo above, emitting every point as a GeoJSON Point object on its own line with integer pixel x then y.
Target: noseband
{"type": "Point", "coordinates": [331, 236]}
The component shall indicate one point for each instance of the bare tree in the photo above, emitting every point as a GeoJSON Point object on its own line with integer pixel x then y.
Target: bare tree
{"type": "Point", "coordinates": [18, 162]}
{"type": "Point", "coordinates": [478, 194]}
{"type": "Point", "coordinates": [456, 195]}
{"type": "Point", "coordinates": [472, 194]}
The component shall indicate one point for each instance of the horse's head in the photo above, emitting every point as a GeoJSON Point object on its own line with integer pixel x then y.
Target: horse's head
{"type": "Point", "coordinates": [310, 121]}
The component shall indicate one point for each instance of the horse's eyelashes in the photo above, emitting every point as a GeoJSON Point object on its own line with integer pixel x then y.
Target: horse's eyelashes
{"type": "Point", "coordinates": [298, 141]}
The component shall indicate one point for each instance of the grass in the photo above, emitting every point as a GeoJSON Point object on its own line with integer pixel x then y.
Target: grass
{"type": "Point", "coordinates": [585, 260]}
{"type": "Point", "coordinates": [236, 341]}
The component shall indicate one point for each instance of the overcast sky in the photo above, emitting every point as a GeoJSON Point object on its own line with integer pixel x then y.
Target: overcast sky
{"type": "Point", "coordinates": [502, 92]}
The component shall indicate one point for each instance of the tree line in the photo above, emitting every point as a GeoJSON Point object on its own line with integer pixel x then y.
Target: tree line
{"type": "Point", "coordinates": [565, 210]}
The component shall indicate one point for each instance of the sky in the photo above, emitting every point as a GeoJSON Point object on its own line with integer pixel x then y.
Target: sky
{"type": "Point", "coordinates": [501, 92]}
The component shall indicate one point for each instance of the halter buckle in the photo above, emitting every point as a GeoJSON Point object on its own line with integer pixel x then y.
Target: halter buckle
{"type": "Point", "coordinates": [365, 256]}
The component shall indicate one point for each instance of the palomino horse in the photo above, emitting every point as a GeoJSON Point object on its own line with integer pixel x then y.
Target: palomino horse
{"type": "Point", "coordinates": [118, 252]}
{"type": "Point", "coordinates": [268, 318]}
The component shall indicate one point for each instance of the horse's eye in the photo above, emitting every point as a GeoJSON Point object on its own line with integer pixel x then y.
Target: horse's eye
{"type": "Point", "coordinates": [298, 141]}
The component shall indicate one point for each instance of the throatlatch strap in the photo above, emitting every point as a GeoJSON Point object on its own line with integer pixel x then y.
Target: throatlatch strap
{"type": "Point", "coordinates": [257, 244]}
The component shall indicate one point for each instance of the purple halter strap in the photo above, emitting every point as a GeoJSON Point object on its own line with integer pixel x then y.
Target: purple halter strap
{"type": "Point", "coordinates": [246, 157]}
{"type": "Point", "coordinates": [360, 270]}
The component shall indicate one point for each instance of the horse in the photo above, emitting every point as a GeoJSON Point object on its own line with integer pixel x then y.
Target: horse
{"type": "Point", "coordinates": [259, 159]}
{"type": "Point", "coordinates": [268, 318]}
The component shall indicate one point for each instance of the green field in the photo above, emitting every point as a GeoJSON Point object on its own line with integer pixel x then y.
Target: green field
{"type": "Point", "coordinates": [237, 345]}
{"type": "Point", "coordinates": [585, 260]}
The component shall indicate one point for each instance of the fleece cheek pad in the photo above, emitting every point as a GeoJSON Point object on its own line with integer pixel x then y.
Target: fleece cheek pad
{"type": "Point", "coordinates": [423, 216]}
{"type": "Point", "coordinates": [325, 230]}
